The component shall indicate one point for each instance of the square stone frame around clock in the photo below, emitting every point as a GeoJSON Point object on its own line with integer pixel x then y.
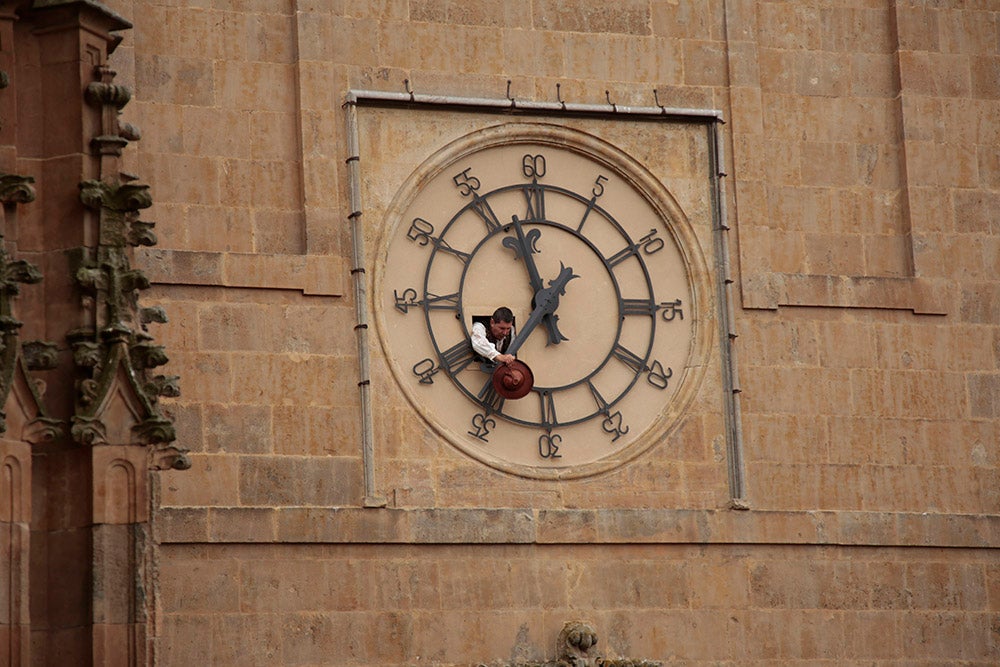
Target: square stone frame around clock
{"type": "Point", "coordinates": [696, 466]}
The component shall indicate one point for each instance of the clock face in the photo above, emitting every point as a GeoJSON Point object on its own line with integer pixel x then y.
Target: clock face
{"type": "Point", "coordinates": [600, 270]}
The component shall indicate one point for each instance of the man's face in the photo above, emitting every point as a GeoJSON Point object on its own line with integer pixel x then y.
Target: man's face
{"type": "Point", "coordinates": [499, 329]}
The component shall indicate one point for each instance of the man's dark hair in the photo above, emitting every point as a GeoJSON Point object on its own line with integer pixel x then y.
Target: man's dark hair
{"type": "Point", "coordinates": [503, 314]}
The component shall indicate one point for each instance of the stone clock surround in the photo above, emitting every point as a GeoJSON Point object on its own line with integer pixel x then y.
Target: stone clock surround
{"type": "Point", "coordinates": [609, 113]}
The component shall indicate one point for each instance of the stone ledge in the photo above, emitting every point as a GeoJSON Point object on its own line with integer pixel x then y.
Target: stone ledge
{"type": "Point", "coordinates": [769, 291]}
{"type": "Point", "coordinates": [248, 525]}
{"type": "Point", "coordinates": [319, 275]}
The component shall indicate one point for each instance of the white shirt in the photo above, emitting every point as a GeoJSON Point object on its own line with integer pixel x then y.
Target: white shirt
{"type": "Point", "coordinates": [481, 344]}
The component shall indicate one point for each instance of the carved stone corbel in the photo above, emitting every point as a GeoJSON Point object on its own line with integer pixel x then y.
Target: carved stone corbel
{"type": "Point", "coordinates": [16, 189]}
{"type": "Point", "coordinates": [575, 647]}
{"type": "Point", "coordinates": [40, 355]}
{"type": "Point", "coordinates": [169, 457]}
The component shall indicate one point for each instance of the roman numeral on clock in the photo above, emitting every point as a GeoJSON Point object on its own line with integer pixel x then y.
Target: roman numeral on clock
{"type": "Point", "coordinates": [482, 208]}
{"type": "Point", "coordinates": [638, 307]}
{"type": "Point", "coordinates": [534, 196]}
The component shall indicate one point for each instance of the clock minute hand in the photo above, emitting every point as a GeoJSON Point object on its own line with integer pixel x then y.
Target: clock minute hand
{"type": "Point", "coordinates": [546, 302]}
{"type": "Point", "coordinates": [524, 247]}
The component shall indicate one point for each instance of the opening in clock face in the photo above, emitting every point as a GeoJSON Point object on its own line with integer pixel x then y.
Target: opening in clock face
{"type": "Point", "coordinates": [582, 246]}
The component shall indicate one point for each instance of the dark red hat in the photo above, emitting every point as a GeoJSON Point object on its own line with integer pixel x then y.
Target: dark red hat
{"type": "Point", "coordinates": [513, 381]}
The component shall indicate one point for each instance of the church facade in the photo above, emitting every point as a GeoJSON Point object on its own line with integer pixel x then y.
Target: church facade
{"type": "Point", "coordinates": [751, 251]}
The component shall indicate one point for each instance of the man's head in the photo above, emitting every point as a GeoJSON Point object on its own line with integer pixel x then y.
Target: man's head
{"type": "Point", "coordinates": [501, 322]}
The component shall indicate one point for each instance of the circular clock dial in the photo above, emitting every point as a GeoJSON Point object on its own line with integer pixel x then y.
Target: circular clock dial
{"type": "Point", "coordinates": [600, 269]}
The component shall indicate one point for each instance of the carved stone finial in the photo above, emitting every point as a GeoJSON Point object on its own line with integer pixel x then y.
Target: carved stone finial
{"type": "Point", "coordinates": [169, 457]}
{"type": "Point", "coordinates": [155, 430]}
{"type": "Point", "coordinates": [16, 189]}
{"type": "Point", "coordinates": [574, 643]}
{"type": "Point", "coordinates": [153, 314]}
{"type": "Point", "coordinates": [86, 353]}
{"type": "Point", "coordinates": [114, 354]}
{"type": "Point", "coordinates": [141, 233]}
{"type": "Point", "coordinates": [100, 93]}
{"type": "Point", "coordinates": [121, 197]}
{"type": "Point", "coordinates": [43, 429]}
{"type": "Point", "coordinates": [88, 431]}
{"type": "Point", "coordinates": [575, 648]}
{"type": "Point", "coordinates": [129, 132]}
{"type": "Point", "coordinates": [164, 385]}
{"type": "Point", "coordinates": [21, 271]}
{"type": "Point", "coordinates": [147, 355]}
{"type": "Point", "coordinates": [40, 355]}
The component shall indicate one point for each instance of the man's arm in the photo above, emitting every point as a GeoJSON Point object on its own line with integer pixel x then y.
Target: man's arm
{"type": "Point", "coordinates": [484, 348]}
{"type": "Point", "coordinates": [480, 344]}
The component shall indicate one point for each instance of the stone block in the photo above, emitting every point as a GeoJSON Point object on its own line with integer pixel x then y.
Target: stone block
{"type": "Point", "coordinates": [822, 74]}
{"type": "Point", "coordinates": [857, 29]}
{"type": "Point", "coordinates": [269, 481]}
{"type": "Point", "coordinates": [192, 487]}
{"type": "Point", "coordinates": [246, 639]}
{"type": "Point", "coordinates": [242, 524]}
{"type": "Point", "coordinates": [973, 211]}
{"type": "Point", "coordinates": [346, 526]}
{"type": "Point", "coordinates": [264, 183]}
{"type": "Point", "coordinates": [934, 635]}
{"type": "Point", "coordinates": [699, 20]}
{"type": "Point", "coordinates": [268, 37]}
{"type": "Point", "coordinates": [473, 526]}
{"type": "Point", "coordinates": [631, 17]}
{"type": "Point", "coordinates": [238, 429]}
{"type": "Point", "coordinates": [174, 79]}
{"type": "Point", "coordinates": [966, 30]}
{"type": "Point", "coordinates": [201, 136]}
{"type": "Point", "coordinates": [278, 232]}
{"type": "Point", "coordinates": [935, 74]}
{"type": "Point", "coordinates": [784, 584]}
{"type": "Point", "coordinates": [200, 586]}
{"type": "Point", "coordinates": [718, 584]}
{"type": "Point", "coordinates": [874, 75]}
{"type": "Point", "coordinates": [315, 431]}
{"type": "Point", "coordinates": [310, 638]}
{"type": "Point", "coordinates": [186, 639]}
{"type": "Point", "coordinates": [253, 86]}
{"type": "Point", "coordinates": [182, 525]}
{"type": "Point", "coordinates": [270, 136]}
{"type": "Point", "coordinates": [829, 164]}
{"type": "Point", "coordinates": [201, 184]}
{"type": "Point", "coordinates": [989, 166]}
{"type": "Point", "coordinates": [789, 438]}
{"type": "Point", "coordinates": [704, 63]}
{"type": "Point", "coordinates": [777, 69]}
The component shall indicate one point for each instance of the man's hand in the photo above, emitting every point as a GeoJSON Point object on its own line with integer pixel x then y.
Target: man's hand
{"type": "Point", "coordinates": [505, 359]}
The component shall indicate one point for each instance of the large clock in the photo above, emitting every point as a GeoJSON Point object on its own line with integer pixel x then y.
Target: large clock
{"type": "Point", "coordinates": [601, 269]}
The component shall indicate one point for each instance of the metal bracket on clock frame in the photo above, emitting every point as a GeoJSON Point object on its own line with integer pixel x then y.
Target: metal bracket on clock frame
{"type": "Point", "coordinates": [710, 118]}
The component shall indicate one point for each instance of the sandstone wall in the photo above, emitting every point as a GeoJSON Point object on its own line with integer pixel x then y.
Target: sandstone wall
{"type": "Point", "coordinates": [862, 153]}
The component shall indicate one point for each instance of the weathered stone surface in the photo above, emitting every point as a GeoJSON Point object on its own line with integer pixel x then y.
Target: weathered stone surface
{"type": "Point", "coordinates": [860, 148]}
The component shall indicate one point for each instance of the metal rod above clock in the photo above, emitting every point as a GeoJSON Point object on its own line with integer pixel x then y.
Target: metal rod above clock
{"type": "Point", "coordinates": [512, 104]}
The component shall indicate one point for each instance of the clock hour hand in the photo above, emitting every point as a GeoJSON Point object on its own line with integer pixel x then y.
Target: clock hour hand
{"type": "Point", "coordinates": [546, 302]}
{"type": "Point", "coordinates": [524, 247]}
